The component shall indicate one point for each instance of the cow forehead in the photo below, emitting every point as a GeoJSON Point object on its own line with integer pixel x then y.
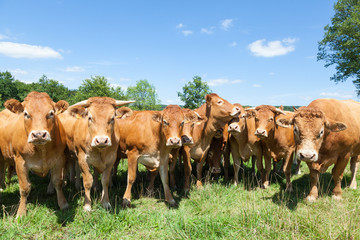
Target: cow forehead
{"type": "Point", "coordinates": [173, 113]}
{"type": "Point", "coordinates": [264, 113]}
{"type": "Point", "coordinates": [38, 105]}
{"type": "Point", "coordinates": [306, 124]}
{"type": "Point", "coordinates": [101, 110]}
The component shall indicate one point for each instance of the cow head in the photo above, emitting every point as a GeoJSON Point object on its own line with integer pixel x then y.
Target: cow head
{"type": "Point", "coordinates": [39, 113]}
{"type": "Point", "coordinates": [264, 119]}
{"type": "Point", "coordinates": [220, 109]}
{"type": "Point", "coordinates": [172, 121]}
{"type": "Point", "coordinates": [100, 113]}
{"type": "Point", "coordinates": [237, 124]}
{"type": "Point", "coordinates": [191, 119]}
{"type": "Point", "coordinates": [311, 127]}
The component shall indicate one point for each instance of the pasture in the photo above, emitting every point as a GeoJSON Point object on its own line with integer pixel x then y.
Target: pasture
{"type": "Point", "coordinates": [218, 211]}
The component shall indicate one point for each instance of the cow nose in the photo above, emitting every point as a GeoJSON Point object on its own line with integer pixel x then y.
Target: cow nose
{"type": "Point", "coordinates": [174, 142]}
{"type": "Point", "coordinates": [39, 137]}
{"type": "Point", "coordinates": [233, 127]}
{"type": "Point", "coordinates": [261, 132]}
{"type": "Point", "coordinates": [307, 155]}
{"type": "Point", "coordinates": [186, 140]}
{"type": "Point", "coordinates": [101, 141]}
{"type": "Point", "coordinates": [236, 111]}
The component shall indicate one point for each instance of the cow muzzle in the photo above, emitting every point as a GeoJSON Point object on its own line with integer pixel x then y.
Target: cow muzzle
{"type": "Point", "coordinates": [186, 140]}
{"type": "Point", "coordinates": [261, 133]}
{"type": "Point", "coordinates": [39, 137]}
{"type": "Point", "coordinates": [101, 142]}
{"type": "Point", "coordinates": [234, 128]}
{"type": "Point", "coordinates": [307, 155]}
{"type": "Point", "coordinates": [173, 142]}
{"type": "Point", "coordinates": [235, 112]}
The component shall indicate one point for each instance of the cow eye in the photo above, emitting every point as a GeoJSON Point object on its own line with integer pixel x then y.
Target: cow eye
{"type": "Point", "coordinates": [256, 119]}
{"type": "Point", "coordinates": [271, 119]}
{"type": "Point", "coordinates": [182, 124]}
{"type": "Point", "coordinates": [296, 131]}
{"type": "Point", "coordinates": [220, 102]}
{"type": "Point", "coordinates": [90, 118]}
{"type": "Point", "coordinates": [320, 133]}
{"type": "Point", "coordinates": [26, 115]}
{"type": "Point", "coordinates": [51, 114]}
{"type": "Point", "coordinates": [165, 122]}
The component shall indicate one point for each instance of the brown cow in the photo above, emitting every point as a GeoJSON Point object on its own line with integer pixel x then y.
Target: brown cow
{"type": "Point", "coordinates": [32, 138]}
{"type": "Point", "coordinates": [278, 143]}
{"type": "Point", "coordinates": [244, 144]}
{"type": "Point", "coordinates": [218, 112]}
{"type": "Point", "coordinates": [326, 133]}
{"type": "Point", "coordinates": [89, 127]}
{"type": "Point", "coordinates": [147, 137]}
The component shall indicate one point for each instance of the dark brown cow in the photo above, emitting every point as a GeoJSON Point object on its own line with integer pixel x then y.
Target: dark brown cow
{"type": "Point", "coordinates": [244, 144]}
{"type": "Point", "coordinates": [218, 112]}
{"type": "Point", "coordinates": [89, 127]}
{"type": "Point", "coordinates": [277, 142]}
{"type": "Point", "coordinates": [147, 137]}
{"type": "Point", "coordinates": [32, 138]}
{"type": "Point", "coordinates": [327, 132]}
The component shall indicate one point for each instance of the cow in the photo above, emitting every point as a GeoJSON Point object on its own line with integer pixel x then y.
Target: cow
{"type": "Point", "coordinates": [32, 139]}
{"type": "Point", "coordinates": [244, 144]}
{"type": "Point", "coordinates": [90, 129]}
{"type": "Point", "coordinates": [277, 142]}
{"type": "Point", "coordinates": [147, 137]}
{"type": "Point", "coordinates": [217, 112]}
{"type": "Point", "coordinates": [326, 132]}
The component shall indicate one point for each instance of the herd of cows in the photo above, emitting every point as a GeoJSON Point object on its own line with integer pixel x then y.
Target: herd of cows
{"type": "Point", "coordinates": [41, 136]}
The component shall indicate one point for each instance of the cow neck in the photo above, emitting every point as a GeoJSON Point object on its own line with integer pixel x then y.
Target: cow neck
{"type": "Point", "coordinates": [242, 137]}
{"type": "Point", "coordinates": [269, 141]}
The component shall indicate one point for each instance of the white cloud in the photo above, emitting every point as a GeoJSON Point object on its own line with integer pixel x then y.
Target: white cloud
{"type": "Point", "coordinates": [222, 81]}
{"type": "Point", "coordinates": [226, 24]}
{"type": "Point", "coordinates": [20, 50]}
{"type": "Point", "coordinates": [272, 49]}
{"type": "Point", "coordinates": [180, 25]}
{"type": "Point", "coordinates": [18, 71]}
{"type": "Point", "coordinates": [271, 73]}
{"type": "Point", "coordinates": [75, 69]}
{"type": "Point", "coordinates": [336, 94]}
{"type": "Point", "coordinates": [2, 37]}
{"type": "Point", "coordinates": [208, 31]}
{"type": "Point", "coordinates": [115, 85]}
{"type": "Point", "coordinates": [187, 32]}
{"type": "Point", "coordinates": [257, 85]}
{"type": "Point", "coordinates": [233, 44]}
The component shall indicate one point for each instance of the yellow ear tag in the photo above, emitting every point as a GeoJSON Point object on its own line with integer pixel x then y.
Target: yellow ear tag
{"type": "Point", "coordinates": [78, 116]}
{"type": "Point", "coordinates": [117, 117]}
{"type": "Point", "coordinates": [57, 112]}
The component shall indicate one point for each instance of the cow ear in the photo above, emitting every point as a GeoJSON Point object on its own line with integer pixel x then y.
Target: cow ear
{"type": "Point", "coordinates": [250, 112]}
{"type": "Point", "coordinates": [335, 126]}
{"type": "Point", "coordinates": [14, 106]}
{"type": "Point", "coordinates": [285, 122]}
{"type": "Point", "coordinates": [61, 106]}
{"type": "Point", "coordinates": [208, 99]}
{"type": "Point", "coordinates": [78, 112]}
{"type": "Point", "coordinates": [123, 112]}
{"type": "Point", "coordinates": [157, 117]}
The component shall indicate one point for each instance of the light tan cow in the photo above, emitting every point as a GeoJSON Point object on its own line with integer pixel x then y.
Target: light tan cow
{"type": "Point", "coordinates": [32, 138]}
{"type": "Point", "coordinates": [91, 134]}
{"type": "Point", "coordinates": [327, 132]}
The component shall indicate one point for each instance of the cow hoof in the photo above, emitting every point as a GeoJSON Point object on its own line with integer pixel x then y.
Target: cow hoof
{"type": "Point", "coordinates": [186, 191]}
{"type": "Point", "coordinates": [199, 184]}
{"type": "Point", "coordinates": [353, 186]}
{"type": "Point", "coordinates": [106, 205]}
{"type": "Point", "coordinates": [265, 185]}
{"type": "Point", "coordinates": [64, 206]}
{"type": "Point", "coordinates": [126, 203]}
{"type": "Point", "coordinates": [289, 189]}
{"type": "Point", "coordinates": [172, 203]}
{"type": "Point", "coordinates": [87, 208]}
{"type": "Point", "coordinates": [310, 198]}
{"type": "Point", "coordinates": [150, 193]}
{"type": "Point", "coordinates": [298, 172]}
{"type": "Point", "coordinates": [337, 197]}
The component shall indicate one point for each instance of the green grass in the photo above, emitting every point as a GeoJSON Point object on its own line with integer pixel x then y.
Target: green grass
{"type": "Point", "coordinates": [218, 211]}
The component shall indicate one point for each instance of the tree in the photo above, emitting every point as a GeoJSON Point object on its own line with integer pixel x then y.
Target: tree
{"type": "Point", "coordinates": [145, 96]}
{"type": "Point", "coordinates": [97, 86]}
{"type": "Point", "coordinates": [194, 93]}
{"type": "Point", "coordinates": [7, 87]}
{"type": "Point", "coordinates": [341, 43]}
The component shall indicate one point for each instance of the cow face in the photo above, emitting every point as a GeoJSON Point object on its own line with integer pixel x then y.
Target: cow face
{"type": "Point", "coordinates": [264, 119]}
{"type": "Point", "coordinates": [172, 121]}
{"type": "Point", "coordinates": [222, 110]}
{"type": "Point", "coordinates": [100, 113]}
{"type": "Point", "coordinates": [310, 129]}
{"type": "Point", "coordinates": [191, 119]}
{"type": "Point", "coordinates": [39, 113]}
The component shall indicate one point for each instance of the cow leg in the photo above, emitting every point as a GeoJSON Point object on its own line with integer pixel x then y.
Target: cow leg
{"type": "Point", "coordinates": [96, 182]}
{"type": "Point", "coordinates": [354, 165]}
{"type": "Point", "coordinates": [199, 168]}
{"type": "Point", "coordinates": [87, 179]}
{"type": "Point", "coordinates": [105, 179]}
{"type": "Point", "coordinates": [153, 174]}
{"type": "Point", "coordinates": [132, 168]}
{"type": "Point", "coordinates": [10, 172]}
{"type": "Point", "coordinates": [164, 175]}
{"type": "Point", "coordinates": [237, 166]}
{"type": "Point", "coordinates": [78, 185]}
{"type": "Point", "coordinates": [172, 166]}
{"type": "Point", "coordinates": [267, 157]}
{"type": "Point", "coordinates": [253, 160]}
{"type": "Point", "coordinates": [71, 167]}
{"type": "Point", "coordinates": [314, 179]}
{"type": "Point", "coordinates": [288, 160]}
{"type": "Point", "coordinates": [114, 172]}
{"type": "Point", "coordinates": [337, 173]}
{"type": "Point", "coordinates": [57, 178]}
{"type": "Point", "coordinates": [2, 174]}
{"type": "Point", "coordinates": [24, 185]}
{"type": "Point", "coordinates": [298, 165]}
{"type": "Point", "coordinates": [187, 169]}
{"type": "Point", "coordinates": [226, 162]}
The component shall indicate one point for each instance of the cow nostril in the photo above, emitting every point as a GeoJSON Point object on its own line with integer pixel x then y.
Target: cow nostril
{"type": "Point", "coordinates": [313, 156]}
{"type": "Point", "coordinates": [44, 135]}
{"type": "Point", "coordinates": [106, 140]}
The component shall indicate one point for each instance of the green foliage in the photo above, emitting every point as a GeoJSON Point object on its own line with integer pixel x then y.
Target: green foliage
{"type": "Point", "coordinates": [193, 94]}
{"type": "Point", "coordinates": [341, 43]}
{"type": "Point", "coordinates": [7, 87]}
{"type": "Point", "coordinates": [97, 86]}
{"type": "Point", "coordinates": [145, 96]}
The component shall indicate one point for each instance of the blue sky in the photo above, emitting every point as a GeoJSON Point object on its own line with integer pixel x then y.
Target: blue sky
{"type": "Point", "coordinates": [250, 52]}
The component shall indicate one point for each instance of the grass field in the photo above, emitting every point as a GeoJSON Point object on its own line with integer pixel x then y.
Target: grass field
{"type": "Point", "coordinates": [218, 211]}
